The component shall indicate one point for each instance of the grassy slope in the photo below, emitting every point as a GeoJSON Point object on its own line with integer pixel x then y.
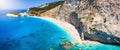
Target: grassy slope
{"type": "Point", "coordinates": [35, 10]}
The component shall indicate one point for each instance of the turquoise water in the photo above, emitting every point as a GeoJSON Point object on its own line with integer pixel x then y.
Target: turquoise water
{"type": "Point", "coordinates": [96, 47]}
{"type": "Point", "coordinates": [29, 33]}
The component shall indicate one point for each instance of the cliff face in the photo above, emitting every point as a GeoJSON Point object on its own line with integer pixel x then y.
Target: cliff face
{"type": "Point", "coordinates": [97, 20]}
{"type": "Point", "coordinates": [49, 13]}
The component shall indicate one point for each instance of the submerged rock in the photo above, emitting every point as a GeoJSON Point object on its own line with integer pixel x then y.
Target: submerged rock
{"type": "Point", "coordinates": [66, 45]}
{"type": "Point", "coordinates": [79, 48]}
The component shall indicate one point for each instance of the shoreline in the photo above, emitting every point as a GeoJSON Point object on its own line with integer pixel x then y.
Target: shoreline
{"type": "Point", "coordinates": [70, 29]}
{"type": "Point", "coordinates": [16, 14]}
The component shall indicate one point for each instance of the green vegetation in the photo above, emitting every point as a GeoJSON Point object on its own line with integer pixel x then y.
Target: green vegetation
{"type": "Point", "coordinates": [46, 8]}
{"type": "Point", "coordinates": [15, 13]}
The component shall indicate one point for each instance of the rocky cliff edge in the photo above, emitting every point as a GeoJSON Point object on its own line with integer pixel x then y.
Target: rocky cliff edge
{"type": "Point", "coordinates": [97, 20]}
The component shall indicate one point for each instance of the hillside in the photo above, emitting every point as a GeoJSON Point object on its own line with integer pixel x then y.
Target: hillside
{"type": "Point", "coordinates": [96, 20]}
{"type": "Point", "coordinates": [42, 11]}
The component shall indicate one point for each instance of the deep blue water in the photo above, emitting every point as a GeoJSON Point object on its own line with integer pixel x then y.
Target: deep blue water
{"type": "Point", "coordinates": [29, 33]}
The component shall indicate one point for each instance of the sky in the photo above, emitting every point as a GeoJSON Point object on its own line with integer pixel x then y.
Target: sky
{"type": "Point", "coordinates": [22, 4]}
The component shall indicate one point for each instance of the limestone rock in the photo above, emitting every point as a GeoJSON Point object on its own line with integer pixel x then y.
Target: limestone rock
{"type": "Point", "coordinates": [99, 20]}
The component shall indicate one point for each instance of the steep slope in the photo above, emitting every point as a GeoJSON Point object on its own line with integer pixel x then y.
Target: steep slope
{"type": "Point", "coordinates": [97, 20]}
{"type": "Point", "coordinates": [48, 9]}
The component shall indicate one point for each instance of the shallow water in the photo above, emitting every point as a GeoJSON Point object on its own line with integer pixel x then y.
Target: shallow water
{"type": "Point", "coordinates": [29, 33]}
{"type": "Point", "coordinates": [96, 47]}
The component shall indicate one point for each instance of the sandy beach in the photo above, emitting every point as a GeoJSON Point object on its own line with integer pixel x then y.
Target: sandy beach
{"type": "Point", "coordinates": [70, 29]}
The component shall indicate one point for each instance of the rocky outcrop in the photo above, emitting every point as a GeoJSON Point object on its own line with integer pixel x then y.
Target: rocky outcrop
{"type": "Point", "coordinates": [48, 10]}
{"type": "Point", "coordinates": [13, 14]}
{"type": "Point", "coordinates": [97, 20]}
{"type": "Point", "coordinates": [16, 14]}
{"type": "Point", "coordinates": [50, 13]}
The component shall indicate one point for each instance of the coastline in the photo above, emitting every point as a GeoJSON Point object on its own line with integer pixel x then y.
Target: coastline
{"type": "Point", "coordinates": [16, 14]}
{"type": "Point", "coordinates": [70, 29]}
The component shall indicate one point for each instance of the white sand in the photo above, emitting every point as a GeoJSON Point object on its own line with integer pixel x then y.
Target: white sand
{"type": "Point", "coordinates": [70, 29]}
{"type": "Point", "coordinates": [90, 42]}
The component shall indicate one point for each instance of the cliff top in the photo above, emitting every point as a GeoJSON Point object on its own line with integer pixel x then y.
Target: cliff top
{"type": "Point", "coordinates": [46, 8]}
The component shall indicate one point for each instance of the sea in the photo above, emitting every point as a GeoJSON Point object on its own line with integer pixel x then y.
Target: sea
{"type": "Point", "coordinates": [30, 33]}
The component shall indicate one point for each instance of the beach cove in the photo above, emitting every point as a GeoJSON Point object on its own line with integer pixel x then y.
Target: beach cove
{"type": "Point", "coordinates": [35, 33]}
